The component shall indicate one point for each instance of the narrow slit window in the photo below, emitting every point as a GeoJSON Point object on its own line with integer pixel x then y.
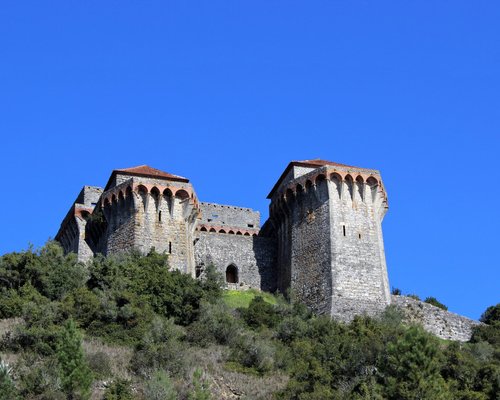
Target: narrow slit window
{"type": "Point", "coordinates": [159, 216]}
{"type": "Point", "coordinates": [343, 230]}
{"type": "Point", "coordinates": [359, 235]}
{"type": "Point", "coordinates": [169, 247]}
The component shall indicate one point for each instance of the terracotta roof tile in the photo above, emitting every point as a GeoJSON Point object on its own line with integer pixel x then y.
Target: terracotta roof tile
{"type": "Point", "coordinates": [145, 170]}
{"type": "Point", "coordinates": [320, 163]}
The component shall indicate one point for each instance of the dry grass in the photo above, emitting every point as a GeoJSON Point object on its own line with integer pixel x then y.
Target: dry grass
{"type": "Point", "coordinates": [231, 384]}
{"type": "Point", "coordinates": [118, 355]}
{"type": "Point", "coordinates": [8, 325]}
{"type": "Point", "coordinates": [118, 359]}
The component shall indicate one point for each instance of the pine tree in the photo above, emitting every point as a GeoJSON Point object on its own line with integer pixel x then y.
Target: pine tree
{"type": "Point", "coordinates": [413, 368]}
{"type": "Point", "coordinates": [76, 377]}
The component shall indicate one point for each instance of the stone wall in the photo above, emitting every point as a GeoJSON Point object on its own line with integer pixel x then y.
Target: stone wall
{"type": "Point", "coordinates": [253, 256]}
{"type": "Point", "coordinates": [232, 216]}
{"type": "Point", "coordinates": [435, 320]}
{"type": "Point", "coordinates": [310, 262]}
{"type": "Point", "coordinates": [89, 196]}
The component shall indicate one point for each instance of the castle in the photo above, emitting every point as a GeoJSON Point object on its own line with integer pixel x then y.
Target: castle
{"type": "Point", "coordinates": [323, 239]}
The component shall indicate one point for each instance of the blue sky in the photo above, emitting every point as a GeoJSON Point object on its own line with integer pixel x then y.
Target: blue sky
{"type": "Point", "coordinates": [226, 93]}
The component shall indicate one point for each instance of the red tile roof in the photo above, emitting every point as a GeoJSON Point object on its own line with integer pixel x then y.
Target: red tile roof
{"type": "Point", "coordinates": [319, 163]}
{"type": "Point", "coordinates": [146, 171]}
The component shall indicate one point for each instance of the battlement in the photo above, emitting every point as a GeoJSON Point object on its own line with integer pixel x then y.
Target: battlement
{"type": "Point", "coordinates": [228, 219]}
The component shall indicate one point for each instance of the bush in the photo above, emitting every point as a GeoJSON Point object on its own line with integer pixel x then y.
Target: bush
{"type": "Point", "coordinates": [201, 389]}
{"type": "Point", "coordinates": [7, 389]}
{"type": "Point", "coordinates": [290, 329]}
{"type": "Point", "coordinates": [159, 349]}
{"type": "Point", "coordinates": [212, 283]}
{"type": "Point", "coordinates": [118, 390]}
{"type": "Point", "coordinates": [436, 303]}
{"type": "Point", "coordinates": [171, 294]}
{"type": "Point", "coordinates": [40, 332]}
{"type": "Point", "coordinates": [160, 387]}
{"type": "Point", "coordinates": [253, 353]}
{"type": "Point", "coordinates": [260, 313]}
{"type": "Point", "coordinates": [100, 364]}
{"type": "Point", "coordinates": [48, 269]}
{"type": "Point", "coordinates": [216, 324]}
{"type": "Point", "coordinates": [491, 315]}
{"type": "Point", "coordinates": [38, 378]}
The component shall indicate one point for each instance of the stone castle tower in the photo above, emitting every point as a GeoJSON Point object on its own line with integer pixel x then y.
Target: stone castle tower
{"type": "Point", "coordinates": [330, 252]}
{"type": "Point", "coordinates": [323, 239]}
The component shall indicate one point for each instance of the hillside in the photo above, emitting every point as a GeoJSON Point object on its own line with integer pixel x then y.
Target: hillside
{"type": "Point", "coordinates": [126, 327]}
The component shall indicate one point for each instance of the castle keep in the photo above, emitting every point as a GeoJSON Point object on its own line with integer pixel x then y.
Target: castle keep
{"type": "Point", "coordinates": [323, 239]}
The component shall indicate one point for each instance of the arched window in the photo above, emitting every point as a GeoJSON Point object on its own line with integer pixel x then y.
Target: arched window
{"type": "Point", "coordinates": [232, 274]}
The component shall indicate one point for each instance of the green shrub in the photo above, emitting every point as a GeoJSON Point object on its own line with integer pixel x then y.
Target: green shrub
{"type": "Point", "coordinates": [200, 387]}
{"type": "Point", "coordinates": [491, 315]}
{"type": "Point", "coordinates": [8, 391]}
{"type": "Point", "coordinates": [212, 283]}
{"type": "Point", "coordinates": [119, 389]}
{"type": "Point", "coordinates": [39, 333]}
{"type": "Point", "coordinates": [260, 313]}
{"type": "Point", "coordinates": [216, 324]}
{"type": "Point", "coordinates": [159, 349]}
{"type": "Point", "coordinates": [160, 387]}
{"type": "Point", "coordinates": [435, 302]}
{"type": "Point", "coordinates": [38, 378]}
{"type": "Point", "coordinates": [100, 364]}
{"type": "Point", "coordinates": [291, 328]}
{"type": "Point", "coordinates": [253, 352]}
{"type": "Point", "coordinates": [82, 305]}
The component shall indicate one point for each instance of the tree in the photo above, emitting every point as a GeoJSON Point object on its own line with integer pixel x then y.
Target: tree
{"type": "Point", "coordinates": [492, 314]}
{"type": "Point", "coordinates": [412, 370]}
{"type": "Point", "coordinates": [75, 374]}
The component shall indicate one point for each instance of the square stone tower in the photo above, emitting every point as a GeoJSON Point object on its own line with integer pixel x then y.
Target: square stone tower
{"type": "Point", "coordinates": [327, 218]}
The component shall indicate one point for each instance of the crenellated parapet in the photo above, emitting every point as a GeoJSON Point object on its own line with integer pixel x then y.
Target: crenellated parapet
{"type": "Point", "coordinates": [145, 196]}
{"type": "Point", "coordinates": [355, 185]}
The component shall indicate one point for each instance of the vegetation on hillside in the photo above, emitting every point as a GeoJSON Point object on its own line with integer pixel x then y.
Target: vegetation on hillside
{"type": "Point", "coordinates": [126, 327]}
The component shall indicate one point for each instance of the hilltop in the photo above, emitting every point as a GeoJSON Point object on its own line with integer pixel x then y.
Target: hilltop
{"type": "Point", "coordinates": [128, 327]}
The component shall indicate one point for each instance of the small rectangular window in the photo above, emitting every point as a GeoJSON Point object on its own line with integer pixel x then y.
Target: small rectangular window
{"type": "Point", "coordinates": [343, 229]}
{"type": "Point", "coordinates": [169, 247]}
{"type": "Point", "coordinates": [250, 225]}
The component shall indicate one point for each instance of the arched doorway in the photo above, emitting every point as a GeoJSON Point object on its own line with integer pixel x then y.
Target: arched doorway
{"type": "Point", "coordinates": [232, 274]}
